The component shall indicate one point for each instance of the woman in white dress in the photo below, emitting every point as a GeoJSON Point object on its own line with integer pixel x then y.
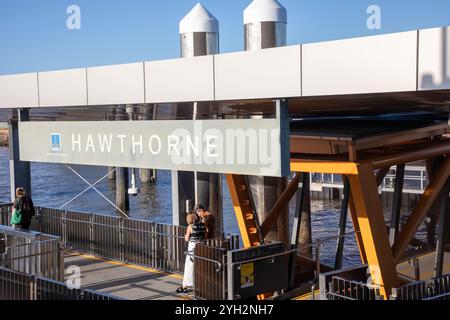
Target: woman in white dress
{"type": "Point", "coordinates": [196, 233]}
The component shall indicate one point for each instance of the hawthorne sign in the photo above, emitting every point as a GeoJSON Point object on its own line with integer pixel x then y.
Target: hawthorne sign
{"type": "Point", "coordinates": [253, 147]}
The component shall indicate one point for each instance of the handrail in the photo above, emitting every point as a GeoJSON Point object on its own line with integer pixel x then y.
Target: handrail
{"type": "Point", "coordinates": [219, 264]}
{"type": "Point", "coordinates": [319, 242]}
{"type": "Point", "coordinates": [29, 256]}
{"type": "Point", "coordinates": [422, 178]}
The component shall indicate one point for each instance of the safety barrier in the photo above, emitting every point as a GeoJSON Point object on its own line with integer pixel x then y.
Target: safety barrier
{"type": "Point", "coordinates": [415, 180]}
{"type": "Point", "coordinates": [341, 285]}
{"type": "Point", "coordinates": [19, 286]}
{"type": "Point", "coordinates": [150, 244]}
{"type": "Point", "coordinates": [210, 265]}
{"type": "Point", "coordinates": [5, 213]}
{"type": "Point", "coordinates": [347, 284]}
{"type": "Point", "coordinates": [31, 253]}
{"type": "Point", "coordinates": [435, 289]}
{"type": "Point", "coordinates": [144, 243]}
{"type": "Point", "coordinates": [342, 289]}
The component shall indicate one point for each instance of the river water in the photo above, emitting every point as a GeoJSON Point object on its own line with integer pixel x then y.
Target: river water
{"type": "Point", "coordinates": [53, 185]}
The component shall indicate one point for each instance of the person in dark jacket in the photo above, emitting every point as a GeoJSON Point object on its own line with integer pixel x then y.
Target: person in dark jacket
{"type": "Point", "coordinates": [24, 203]}
{"type": "Point", "coordinates": [208, 219]}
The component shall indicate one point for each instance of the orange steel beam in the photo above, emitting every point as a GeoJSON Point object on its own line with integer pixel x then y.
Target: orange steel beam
{"type": "Point", "coordinates": [426, 202]}
{"type": "Point", "coordinates": [312, 166]}
{"type": "Point", "coordinates": [369, 214]}
{"type": "Point", "coordinates": [381, 174]}
{"type": "Point", "coordinates": [278, 209]}
{"type": "Point", "coordinates": [433, 149]}
{"type": "Point", "coordinates": [359, 240]}
{"type": "Point", "coordinates": [244, 210]}
{"type": "Point", "coordinates": [245, 214]}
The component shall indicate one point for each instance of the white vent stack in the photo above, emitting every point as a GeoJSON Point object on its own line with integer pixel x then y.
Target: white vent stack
{"type": "Point", "coordinates": [265, 25]}
{"type": "Point", "coordinates": [199, 33]}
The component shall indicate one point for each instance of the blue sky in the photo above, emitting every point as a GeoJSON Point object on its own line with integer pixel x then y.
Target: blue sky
{"type": "Point", "coordinates": [34, 37]}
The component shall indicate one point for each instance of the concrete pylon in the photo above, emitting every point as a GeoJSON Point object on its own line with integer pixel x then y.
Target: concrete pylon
{"type": "Point", "coordinates": [199, 36]}
{"type": "Point", "coordinates": [265, 27]}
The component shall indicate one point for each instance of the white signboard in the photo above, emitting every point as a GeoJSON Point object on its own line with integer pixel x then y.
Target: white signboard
{"type": "Point", "coordinates": [250, 147]}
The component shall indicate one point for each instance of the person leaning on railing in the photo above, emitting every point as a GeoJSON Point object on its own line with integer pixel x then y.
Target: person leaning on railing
{"type": "Point", "coordinates": [208, 219]}
{"type": "Point", "coordinates": [23, 210]}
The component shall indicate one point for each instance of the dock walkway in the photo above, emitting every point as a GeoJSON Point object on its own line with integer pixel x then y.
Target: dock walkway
{"type": "Point", "coordinates": [129, 282]}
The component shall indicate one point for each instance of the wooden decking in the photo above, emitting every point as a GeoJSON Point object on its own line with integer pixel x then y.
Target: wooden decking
{"type": "Point", "coordinates": [125, 281]}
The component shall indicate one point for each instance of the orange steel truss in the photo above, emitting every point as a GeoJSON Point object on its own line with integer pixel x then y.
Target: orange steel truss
{"type": "Point", "coordinates": [365, 205]}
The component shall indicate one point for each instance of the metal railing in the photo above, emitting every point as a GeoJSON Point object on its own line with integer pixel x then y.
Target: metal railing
{"type": "Point", "coordinates": [342, 289]}
{"type": "Point", "coordinates": [5, 214]}
{"type": "Point", "coordinates": [150, 244]}
{"type": "Point", "coordinates": [434, 289]}
{"type": "Point", "coordinates": [351, 284]}
{"type": "Point", "coordinates": [415, 180]}
{"type": "Point", "coordinates": [19, 286]}
{"type": "Point", "coordinates": [210, 265]}
{"type": "Point", "coordinates": [31, 253]}
{"type": "Point", "coordinates": [144, 243]}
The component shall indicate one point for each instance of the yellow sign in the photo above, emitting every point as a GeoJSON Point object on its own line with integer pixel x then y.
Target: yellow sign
{"type": "Point", "coordinates": [247, 275]}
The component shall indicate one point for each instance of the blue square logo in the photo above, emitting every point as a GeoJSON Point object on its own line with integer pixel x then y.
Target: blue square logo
{"type": "Point", "coordinates": [56, 142]}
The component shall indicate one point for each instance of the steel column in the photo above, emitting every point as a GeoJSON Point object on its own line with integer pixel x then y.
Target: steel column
{"type": "Point", "coordinates": [374, 236]}
{"type": "Point", "coordinates": [305, 236]}
{"type": "Point", "coordinates": [297, 223]}
{"type": "Point", "coordinates": [148, 176]}
{"type": "Point", "coordinates": [19, 171]}
{"type": "Point", "coordinates": [182, 192]}
{"type": "Point", "coordinates": [342, 224]}
{"type": "Point", "coordinates": [444, 219]}
{"type": "Point", "coordinates": [122, 198]}
{"type": "Point", "coordinates": [112, 117]}
{"type": "Point", "coordinates": [431, 166]}
{"type": "Point", "coordinates": [397, 203]}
